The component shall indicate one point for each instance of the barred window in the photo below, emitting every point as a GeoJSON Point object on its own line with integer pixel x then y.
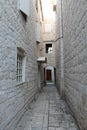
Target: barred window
{"type": "Point", "coordinates": [19, 68]}
{"type": "Point", "coordinates": [20, 65]}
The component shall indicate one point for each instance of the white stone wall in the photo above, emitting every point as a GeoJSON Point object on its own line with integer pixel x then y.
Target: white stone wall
{"type": "Point", "coordinates": [59, 49]}
{"type": "Point", "coordinates": [75, 58]}
{"type": "Point", "coordinates": [48, 34]}
{"type": "Point", "coordinates": [50, 56]}
{"type": "Point", "coordinates": [16, 32]}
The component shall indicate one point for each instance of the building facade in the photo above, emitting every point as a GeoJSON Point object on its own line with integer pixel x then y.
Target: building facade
{"type": "Point", "coordinates": [19, 50]}
{"type": "Point", "coordinates": [71, 58]}
{"type": "Point", "coordinates": [48, 45]}
{"type": "Point", "coordinates": [27, 39]}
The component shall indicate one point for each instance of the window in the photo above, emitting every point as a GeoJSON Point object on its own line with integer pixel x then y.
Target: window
{"type": "Point", "coordinates": [54, 8]}
{"type": "Point", "coordinates": [20, 65]}
{"type": "Point", "coordinates": [49, 48]}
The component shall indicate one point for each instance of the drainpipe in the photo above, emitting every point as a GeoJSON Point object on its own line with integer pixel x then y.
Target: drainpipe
{"type": "Point", "coordinates": [61, 19]}
{"type": "Point", "coordinates": [61, 53]}
{"type": "Point", "coordinates": [41, 10]}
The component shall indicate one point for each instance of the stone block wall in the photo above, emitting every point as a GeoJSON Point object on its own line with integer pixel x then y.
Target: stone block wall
{"type": "Point", "coordinates": [59, 50]}
{"type": "Point", "coordinates": [48, 38]}
{"type": "Point", "coordinates": [50, 56]}
{"type": "Point", "coordinates": [15, 32]}
{"type": "Point", "coordinates": [75, 58]}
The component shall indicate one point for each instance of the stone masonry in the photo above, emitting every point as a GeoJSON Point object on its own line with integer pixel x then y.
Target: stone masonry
{"type": "Point", "coordinates": [59, 49]}
{"type": "Point", "coordinates": [15, 32]}
{"type": "Point", "coordinates": [48, 38]}
{"type": "Point", "coordinates": [75, 58]}
{"type": "Point", "coordinates": [70, 45]}
{"type": "Point", "coordinates": [48, 112]}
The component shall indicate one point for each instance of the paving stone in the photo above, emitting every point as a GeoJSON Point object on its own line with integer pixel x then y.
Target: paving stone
{"type": "Point", "coordinates": [48, 112]}
{"type": "Point", "coordinates": [36, 128]}
{"type": "Point", "coordinates": [45, 121]}
{"type": "Point", "coordinates": [60, 128]}
{"type": "Point", "coordinates": [51, 128]}
{"type": "Point", "coordinates": [19, 128]}
{"type": "Point", "coordinates": [44, 128]}
{"type": "Point", "coordinates": [54, 128]}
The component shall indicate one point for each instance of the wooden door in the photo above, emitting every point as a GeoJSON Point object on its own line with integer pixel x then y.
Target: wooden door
{"type": "Point", "coordinates": [48, 75]}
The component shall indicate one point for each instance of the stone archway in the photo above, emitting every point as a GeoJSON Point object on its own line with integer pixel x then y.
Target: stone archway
{"type": "Point", "coordinates": [49, 75]}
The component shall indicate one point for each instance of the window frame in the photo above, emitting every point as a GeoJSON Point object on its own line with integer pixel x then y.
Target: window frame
{"type": "Point", "coordinates": [21, 66]}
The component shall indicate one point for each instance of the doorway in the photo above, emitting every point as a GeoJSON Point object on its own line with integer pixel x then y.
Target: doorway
{"type": "Point", "coordinates": [48, 75]}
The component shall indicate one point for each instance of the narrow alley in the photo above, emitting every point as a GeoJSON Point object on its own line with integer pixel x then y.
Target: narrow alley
{"type": "Point", "coordinates": [47, 112]}
{"type": "Point", "coordinates": [43, 64]}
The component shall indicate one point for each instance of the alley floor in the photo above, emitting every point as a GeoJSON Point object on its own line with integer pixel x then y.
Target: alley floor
{"type": "Point", "coordinates": [48, 112]}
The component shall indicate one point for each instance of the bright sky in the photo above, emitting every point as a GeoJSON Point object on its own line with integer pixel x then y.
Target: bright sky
{"type": "Point", "coordinates": [48, 9]}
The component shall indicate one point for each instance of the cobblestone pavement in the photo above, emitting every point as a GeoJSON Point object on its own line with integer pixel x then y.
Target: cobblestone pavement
{"type": "Point", "coordinates": [48, 112]}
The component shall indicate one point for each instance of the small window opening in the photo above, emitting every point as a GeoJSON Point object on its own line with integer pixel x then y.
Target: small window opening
{"type": "Point", "coordinates": [49, 48]}
{"type": "Point", "coordinates": [54, 8]}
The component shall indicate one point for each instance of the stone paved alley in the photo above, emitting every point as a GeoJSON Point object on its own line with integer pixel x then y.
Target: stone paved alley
{"type": "Point", "coordinates": [48, 112]}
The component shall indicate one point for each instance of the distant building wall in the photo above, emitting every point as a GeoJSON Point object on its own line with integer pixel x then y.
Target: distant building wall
{"type": "Point", "coordinates": [48, 38]}
{"type": "Point", "coordinates": [50, 56]}
{"type": "Point", "coordinates": [49, 29]}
